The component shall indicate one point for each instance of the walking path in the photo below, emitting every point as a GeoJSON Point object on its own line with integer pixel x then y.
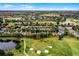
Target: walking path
{"type": "Point", "coordinates": [25, 48]}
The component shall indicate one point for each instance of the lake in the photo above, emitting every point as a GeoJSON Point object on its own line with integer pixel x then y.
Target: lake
{"type": "Point", "coordinates": [7, 45]}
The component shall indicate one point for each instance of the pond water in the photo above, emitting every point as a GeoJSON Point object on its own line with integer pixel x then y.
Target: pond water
{"type": "Point", "coordinates": [9, 45]}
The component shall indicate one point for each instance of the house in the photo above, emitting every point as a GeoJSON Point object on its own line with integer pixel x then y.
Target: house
{"type": "Point", "coordinates": [73, 32]}
{"type": "Point", "coordinates": [67, 23]}
{"type": "Point", "coordinates": [2, 29]}
{"type": "Point", "coordinates": [16, 18]}
{"type": "Point", "coordinates": [76, 19]}
{"type": "Point", "coordinates": [61, 30]}
{"type": "Point", "coordinates": [54, 34]}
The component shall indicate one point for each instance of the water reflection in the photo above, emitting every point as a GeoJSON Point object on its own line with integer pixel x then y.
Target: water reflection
{"type": "Point", "coordinates": [7, 45]}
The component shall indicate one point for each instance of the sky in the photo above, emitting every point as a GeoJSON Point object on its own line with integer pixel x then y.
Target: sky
{"type": "Point", "coordinates": [39, 1]}
{"type": "Point", "coordinates": [39, 6]}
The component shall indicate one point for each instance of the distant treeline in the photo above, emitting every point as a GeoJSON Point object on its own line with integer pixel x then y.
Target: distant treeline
{"type": "Point", "coordinates": [8, 13]}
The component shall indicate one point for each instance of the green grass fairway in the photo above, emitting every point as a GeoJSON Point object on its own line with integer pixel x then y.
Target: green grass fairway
{"type": "Point", "coordinates": [74, 44]}
{"type": "Point", "coordinates": [68, 46]}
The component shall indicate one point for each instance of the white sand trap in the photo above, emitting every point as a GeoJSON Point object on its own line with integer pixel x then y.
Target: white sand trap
{"type": "Point", "coordinates": [38, 52]}
{"type": "Point", "coordinates": [49, 46]}
{"type": "Point", "coordinates": [31, 49]}
{"type": "Point", "coordinates": [46, 51]}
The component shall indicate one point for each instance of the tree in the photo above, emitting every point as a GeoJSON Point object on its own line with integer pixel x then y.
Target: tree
{"type": "Point", "coordinates": [10, 54]}
{"type": "Point", "coordinates": [18, 46]}
{"type": "Point", "coordinates": [1, 20]}
{"type": "Point", "coordinates": [64, 19]}
{"type": "Point", "coordinates": [27, 49]}
{"type": "Point", "coordinates": [2, 53]}
{"type": "Point", "coordinates": [60, 37]}
{"type": "Point", "coordinates": [58, 20]}
{"type": "Point", "coordinates": [37, 23]}
{"type": "Point", "coordinates": [18, 35]}
{"type": "Point", "coordinates": [30, 23]}
{"type": "Point", "coordinates": [66, 32]}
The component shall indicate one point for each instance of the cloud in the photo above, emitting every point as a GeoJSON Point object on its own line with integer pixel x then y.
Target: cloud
{"type": "Point", "coordinates": [7, 6]}
{"type": "Point", "coordinates": [30, 7]}
{"type": "Point", "coordinates": [15, 7]}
